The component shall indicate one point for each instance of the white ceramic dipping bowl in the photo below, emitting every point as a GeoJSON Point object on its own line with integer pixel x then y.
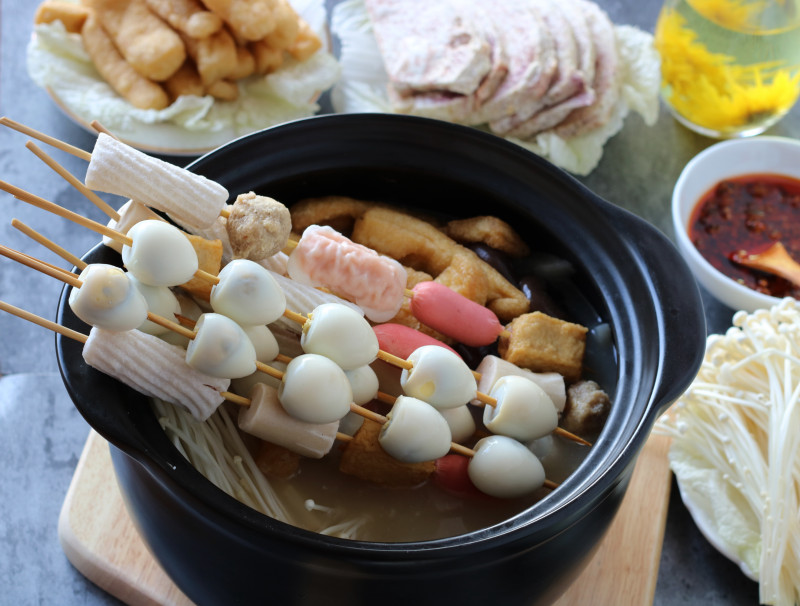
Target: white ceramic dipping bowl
{"type": "Point", "coordinates": [775, 155]}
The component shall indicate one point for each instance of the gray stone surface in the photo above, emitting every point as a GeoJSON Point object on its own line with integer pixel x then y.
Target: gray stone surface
{"type": "Point", "coordinates": [41, 434]}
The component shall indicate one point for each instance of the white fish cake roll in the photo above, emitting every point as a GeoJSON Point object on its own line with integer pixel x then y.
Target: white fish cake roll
{"type": "Point", "coordinates": [160, 254]}
{"type": "Point", "coordinates": [154, 368]}
{"type": "Point", "coordinates": [276, 263]}
{"type": "Point", "coordinates": [315, 389]}
{"type": "Point", "coordinates": [461, 422]}
{"type": "Point", "coordinates": [523, 410]}
{"type": "Point", "coordinates": [108, 299]}
{"type": "Point", "coordinates": [117, 168]}
{"type": "Point", "coordinates": [248, 294]}
{"type": "Point", "coordinates": [364, 383]}
{"type": "Point", "coordinates": [492, 368]}
{"type": "Point", "coordinates": [266, 419]}
{"type": "Point", "coordinates": [504, 468]}
{"type": "Point", "coordinates": [303, 299]}
{"type": "Point", "coordinates": [130, 214]}
{"type": "Point", "coordinates": [341, 334]}
{"type": "Point", "coordinates": [221, 348]}
{"type": "Point", "coordinates": [439, 377]}
{"type": "Point", "coordinates": [161, 301]}
{"type": "Point", "coordinates": [415, 432]}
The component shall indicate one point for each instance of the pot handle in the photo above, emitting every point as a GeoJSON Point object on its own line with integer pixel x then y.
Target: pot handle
{"type": "Point", "coordinates": [680, 311]}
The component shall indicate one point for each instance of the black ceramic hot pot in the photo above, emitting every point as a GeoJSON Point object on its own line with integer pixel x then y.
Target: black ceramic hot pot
{"type": "Point", "coordinates": [219, 551]}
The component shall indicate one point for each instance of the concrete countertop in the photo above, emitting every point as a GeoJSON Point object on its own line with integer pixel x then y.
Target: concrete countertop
{"type": "Point", "coordinates": [41, 433]}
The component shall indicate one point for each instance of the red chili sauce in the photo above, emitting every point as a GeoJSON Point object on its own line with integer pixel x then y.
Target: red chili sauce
{"type": "Point", "coordinates": [749, 213]}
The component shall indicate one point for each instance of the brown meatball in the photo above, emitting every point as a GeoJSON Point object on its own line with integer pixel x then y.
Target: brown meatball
{"type": "Point", "coordinates": [258, 227]}
{"type": "Point", "coordinates": [586, 408]}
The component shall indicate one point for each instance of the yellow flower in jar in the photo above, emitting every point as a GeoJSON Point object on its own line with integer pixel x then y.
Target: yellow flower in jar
{"type": "Point", "coordinates": [741, 15]}
{"type": "Point", "coordinates": [718, 76]}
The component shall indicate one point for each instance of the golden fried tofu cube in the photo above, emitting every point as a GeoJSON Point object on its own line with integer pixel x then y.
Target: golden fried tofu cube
{"type": "Point", "coordinates": [364, 458]}
{"type": "Point", "coordinates": [276, 461]}
{"type": "Point", "coordinates": [209, 258]}
{"type": "Point", "coordinates": [542, 343]}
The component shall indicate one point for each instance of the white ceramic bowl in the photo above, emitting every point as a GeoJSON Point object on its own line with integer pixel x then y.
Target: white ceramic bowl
{"type": "Point", "coordinates": [776, 155]}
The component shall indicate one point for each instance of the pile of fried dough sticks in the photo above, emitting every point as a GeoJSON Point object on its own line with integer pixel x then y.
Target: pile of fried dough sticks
{"type": "Point", "coordinates": [153, 51]}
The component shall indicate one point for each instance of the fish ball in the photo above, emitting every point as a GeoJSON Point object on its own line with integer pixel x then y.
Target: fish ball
{"type": "Point", "coordinates": [221, 348]}
{"type": "Point", "coordinates": [161, 301]}
{"type": "Point", "coordinates": [461, 422]}
{"type": "Point", "coordinates": [415, 432]}
{"type": "Point", "coordinates": [523, 411]}
{"type": "Point", "coordinates": [504, 468]}
{"type": "Point", "coordinates": [248, 294]}
{"type": "Point", "coordinates": [341, 334]}
{"type": "Point", "coordinates": [364, 383]}
{"type": "Point", "coordinates": [439, 377]}
{"type": "Point", "coordinates": [160, 254]}
{"type": "Point", "coordinates": [264, 342]}
{"type": "Point", "coordinates": [315, 389]}
{"type": "Point", "coordinates": [107, 299]}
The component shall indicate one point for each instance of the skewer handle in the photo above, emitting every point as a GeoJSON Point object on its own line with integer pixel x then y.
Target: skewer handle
{"type": "Point", "coordinates": [26, 130]}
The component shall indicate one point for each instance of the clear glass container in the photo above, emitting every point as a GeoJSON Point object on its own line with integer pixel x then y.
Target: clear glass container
{"type": "Point", "coordinates": [729, 68]}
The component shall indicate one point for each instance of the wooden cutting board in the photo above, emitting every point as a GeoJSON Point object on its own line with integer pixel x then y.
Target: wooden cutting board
{"type": "Point", "coordinates": [100, 540]}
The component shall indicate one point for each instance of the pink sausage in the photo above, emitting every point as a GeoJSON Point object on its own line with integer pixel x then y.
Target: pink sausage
{"type": "Point", "coordinates": [402, 341]}
{"type": "Point", "coordinates": [324, 257]}
{"type": "Point", "coordinates": [454, 315]}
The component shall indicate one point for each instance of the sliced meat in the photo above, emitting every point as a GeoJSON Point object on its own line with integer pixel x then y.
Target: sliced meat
{"type": "Point", "coordinates": [606, 80]}
{"type": "Point", "coordinates": [583, 37]}
{"type": "Point", "coordinates": [449, 105]}
{"type": "Point", "coordinates": [575, 90]}
{"type": "Point", "coordinates": [552, 116]}
{"type": "Point", "coordinates": [430, 46]}
{"type": "Point", "coordinates": [567, 80]}
{"type": "Point", "coordinates": [532, 62]}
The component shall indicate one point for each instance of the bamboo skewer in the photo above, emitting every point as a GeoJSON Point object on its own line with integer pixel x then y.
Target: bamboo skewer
{"type": "Point", "coordinates": [49, 244]}
{"type": "Point", "coordinates": [57, 143]}
{"type": "Point", "coordinates": [38, 320]}
{"type": "Point", "coordinates": [73, 180]}
{"type": "Point", "coordinates": [51, 207]}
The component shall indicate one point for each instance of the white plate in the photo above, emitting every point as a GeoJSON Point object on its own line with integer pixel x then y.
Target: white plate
{"type": "Point", "coordinates": [161, 138]}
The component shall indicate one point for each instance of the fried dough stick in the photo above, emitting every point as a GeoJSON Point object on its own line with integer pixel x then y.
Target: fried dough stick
{"type": "Point", "coordinates": [185, 81]}
{"type": "Point", "coordinates": [249, 19]}
{"type": "Point", "coordinates": [187, 16]}
{"type": "Point", "coordinates": [138, 90]}
{"type": "Point", "coordinates": [151, 46]}
{"type": "Point", "coordinates": [215, 56]}
{"type": "Point", "coordinates": [73, 16]}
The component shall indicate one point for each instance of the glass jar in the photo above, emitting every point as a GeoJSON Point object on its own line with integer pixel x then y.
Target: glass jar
{"type": "Point", "coordinates": [729, 68]}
